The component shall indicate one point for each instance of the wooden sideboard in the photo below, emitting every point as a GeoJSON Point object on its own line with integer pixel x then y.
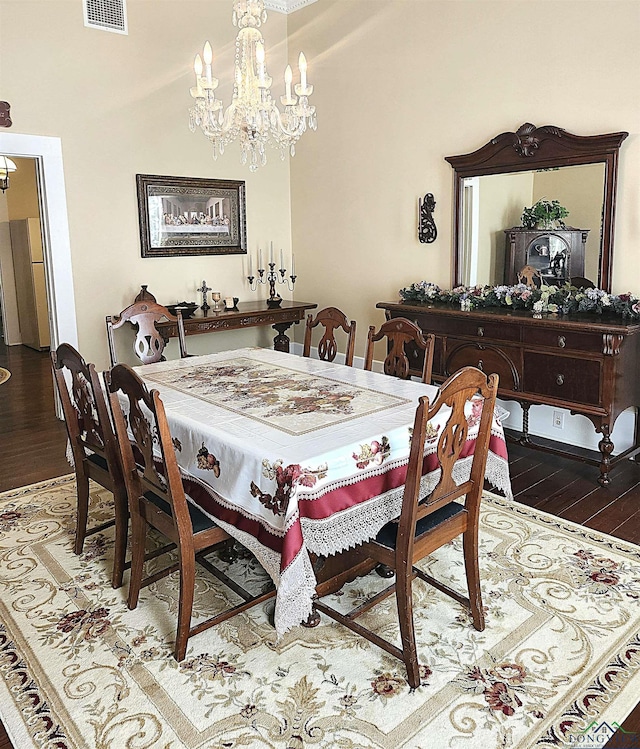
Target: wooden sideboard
{"type": "Point", "coordinates": [247, 315]}
{"type": "Point", "coordinates": [585, 364]}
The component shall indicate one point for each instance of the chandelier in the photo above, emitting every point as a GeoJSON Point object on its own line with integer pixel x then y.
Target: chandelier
{"type": "Point", "coordinates": [253, 117]}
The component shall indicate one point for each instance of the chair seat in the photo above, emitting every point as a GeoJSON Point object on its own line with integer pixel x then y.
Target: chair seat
{"type": "Point", "coordinates": [98, 460]}
{"type": "Point", "coordinates": [199, 521]}
{"type": "Point", "coordinates": [388, 533]}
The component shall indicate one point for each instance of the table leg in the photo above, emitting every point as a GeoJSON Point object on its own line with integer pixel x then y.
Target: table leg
{"type": "Point", "coordinates": [313, 620]}
{"type": "Point", "coordinates": [281, 341]}
{"type": "Point", "coordinates": [333, 572]}
{"type": "Point", "coordinates": [383, 571]}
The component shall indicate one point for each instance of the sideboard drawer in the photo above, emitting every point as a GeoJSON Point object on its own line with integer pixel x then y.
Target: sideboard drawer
{"type": "Point", "coordinates": [504, 361]}
{"type": "Point", "coordinates": [564, 339]}
{"type": "Point", "coordinates": [473, 328]}
{"type": "Point", "coordinates": [562, 377]}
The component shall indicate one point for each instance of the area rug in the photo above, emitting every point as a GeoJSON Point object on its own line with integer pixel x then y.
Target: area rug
{"type": "Point", "coordinates": [4, 375]}
{"type": "Point", "coordinates": [559, 658]}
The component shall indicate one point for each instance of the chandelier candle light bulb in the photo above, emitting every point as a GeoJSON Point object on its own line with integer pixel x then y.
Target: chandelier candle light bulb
{"type": "Point", "coordinates": [288, 78]}
{"type": "Point", "coordinates": [208, 59]}
{"type": "Point", "coordinates": [302, 64]}
{"type": "Point", "coordinates": [197, 67]}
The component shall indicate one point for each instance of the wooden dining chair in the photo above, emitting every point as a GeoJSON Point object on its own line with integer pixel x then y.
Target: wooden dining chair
{"type": "Point", "coordinates": [331, 319]}
{"type": "Point", "coordinates": [427, 523]}
{"type": "Point", "coordinates": [94, 449]}
{"type": "Point", "coordinates": [149, 344]}
{"type": "Point", "coordinates": [404, 339]}
{"type": "Point", "coordinates": [157, 500]}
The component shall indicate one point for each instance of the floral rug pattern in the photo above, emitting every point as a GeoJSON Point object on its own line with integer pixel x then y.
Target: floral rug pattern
{"type": "Point", "coordinates": [561, 648]}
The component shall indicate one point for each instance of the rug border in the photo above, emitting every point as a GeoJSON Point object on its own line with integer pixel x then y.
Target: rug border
{"type": "Point", "coordinates": [548, 519]}
{"type": "Point", "coordinates": [18, 491]}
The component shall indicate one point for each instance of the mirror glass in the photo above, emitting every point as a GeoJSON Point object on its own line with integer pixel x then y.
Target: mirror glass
{"type": "Point", "coordinates": [494, 184]}
{"type": "Point", "coordinates": [492, 203]}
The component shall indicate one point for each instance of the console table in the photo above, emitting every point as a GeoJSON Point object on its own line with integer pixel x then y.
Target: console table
{"type": "Point", "coordinates": [586, 364]}
{"type": "Point", "coordinates": [247, 315]}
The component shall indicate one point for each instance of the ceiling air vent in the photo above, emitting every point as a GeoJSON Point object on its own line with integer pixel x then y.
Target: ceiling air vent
{"type": "Point", "coordinates": [108, 15]}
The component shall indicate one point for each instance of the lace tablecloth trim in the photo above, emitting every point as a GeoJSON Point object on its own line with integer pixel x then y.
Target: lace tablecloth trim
{"type": "Point", "coordinates": [361, 523]}
{"type": "Point", "coordinates": [295, 593]}
{"type": "Point", "coordinates": [296, 585]}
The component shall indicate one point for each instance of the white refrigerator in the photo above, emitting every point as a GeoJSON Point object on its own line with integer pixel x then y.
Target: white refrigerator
{"type": "Point", "coordinates": [31, 291]}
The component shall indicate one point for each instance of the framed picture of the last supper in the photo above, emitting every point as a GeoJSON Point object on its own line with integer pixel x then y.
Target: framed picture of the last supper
{"type": "Point", "coordinates": [191, 216]}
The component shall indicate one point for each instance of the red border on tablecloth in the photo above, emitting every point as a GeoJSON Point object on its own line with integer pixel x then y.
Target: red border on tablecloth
{"type": "Point", "coordinates": [322, 507]}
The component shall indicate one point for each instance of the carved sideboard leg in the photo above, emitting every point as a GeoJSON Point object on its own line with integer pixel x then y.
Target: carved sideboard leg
{"type": "Point", "coordinates": [281, 341]}
{"type": "Point", "coordinates": [606, 448]}
{"type": "Point", "coordinates": [525, 424]}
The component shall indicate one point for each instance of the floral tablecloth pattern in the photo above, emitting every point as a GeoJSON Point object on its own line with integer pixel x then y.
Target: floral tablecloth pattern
{"type": "Point", "coordinates": [292, 455]}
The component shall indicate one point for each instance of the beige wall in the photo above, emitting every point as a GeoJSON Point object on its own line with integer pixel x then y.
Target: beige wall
{"type": "Point", "coordinates": [401, 84]}
{"type": "Point", "coordinates": [581, 190]}
{"type": "Point", "coordinates": [502, 197]}
{"type": "Point", "coordinates": [120, 106]}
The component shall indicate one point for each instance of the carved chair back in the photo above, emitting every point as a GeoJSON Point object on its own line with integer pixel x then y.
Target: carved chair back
{"type": "Point", "coordinates": [149, 343]}
{"type": "Point", "coordinates": [331, 319]}
{"type": "Point", "coordinates": [404, 339]}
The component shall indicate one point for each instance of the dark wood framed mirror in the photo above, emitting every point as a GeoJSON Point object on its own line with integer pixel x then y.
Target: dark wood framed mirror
{"type": "Point", "coordinates": [495, 183]}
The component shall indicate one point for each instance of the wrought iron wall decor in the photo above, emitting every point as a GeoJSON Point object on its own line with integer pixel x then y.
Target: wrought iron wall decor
{"type": "Point", "coordinates": [427, 231]}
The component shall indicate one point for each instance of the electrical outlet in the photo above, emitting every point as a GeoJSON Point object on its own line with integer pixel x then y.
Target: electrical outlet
{"type": "Point", "coordinates": [558, 420]}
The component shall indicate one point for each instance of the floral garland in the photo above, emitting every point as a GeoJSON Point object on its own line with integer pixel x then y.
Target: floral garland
{"type": "Point", "coordinates": [564, 300]}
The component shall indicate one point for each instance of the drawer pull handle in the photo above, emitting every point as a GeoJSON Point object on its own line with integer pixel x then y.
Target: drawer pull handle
{"type": "Point", "coordinates": [480, 332]}
{"type": "Point", "coordinates": [562, 342]}
{"type": "Point", "coordinates": [560, 379]}
{"type": "Point", "coordinates": [480, 365]}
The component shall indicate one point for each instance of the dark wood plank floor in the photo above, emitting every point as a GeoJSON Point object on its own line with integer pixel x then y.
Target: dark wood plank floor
{"type": "Point", "coordinates": [33, 442]}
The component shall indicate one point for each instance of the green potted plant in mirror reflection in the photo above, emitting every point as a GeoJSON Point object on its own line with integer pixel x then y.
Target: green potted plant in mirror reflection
{"type": "Point", "coordinates": [544, 214]}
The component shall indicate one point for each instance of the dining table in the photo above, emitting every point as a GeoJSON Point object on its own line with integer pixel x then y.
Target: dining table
{"type": "Point", "coordinates": [300, 459]}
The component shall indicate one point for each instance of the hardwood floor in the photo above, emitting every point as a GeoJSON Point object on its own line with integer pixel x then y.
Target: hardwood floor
{"type": "Point", "coordinates": [33, 444]}
{"type": "Point", "coordinates": [32, 440]}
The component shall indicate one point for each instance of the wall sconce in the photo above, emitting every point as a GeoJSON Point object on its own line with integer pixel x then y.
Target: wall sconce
{"type": "Point", "coordinates": [6, 166]}
{"type": "Point", "coordinates": [427, 231]}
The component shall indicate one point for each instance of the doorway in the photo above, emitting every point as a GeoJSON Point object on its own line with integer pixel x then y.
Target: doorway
{"type": "Point", "coordinates": [47, 152]}
{"type": "Point", "coordinates": [23, 291]}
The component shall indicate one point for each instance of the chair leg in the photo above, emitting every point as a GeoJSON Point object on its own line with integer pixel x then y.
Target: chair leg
{"type": "Point", "coordinates": [185, 607]}
{"type": "Point", "coordinates": [404, 597]}
{"type": "Point", "coordinates": [138, 539]}
{"type": "Point", "coordinates": [121, 527]}
{"type": "Point", "coordinates": [82, 487]}
{"type": "Point", "coordinates": [472, 568]}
